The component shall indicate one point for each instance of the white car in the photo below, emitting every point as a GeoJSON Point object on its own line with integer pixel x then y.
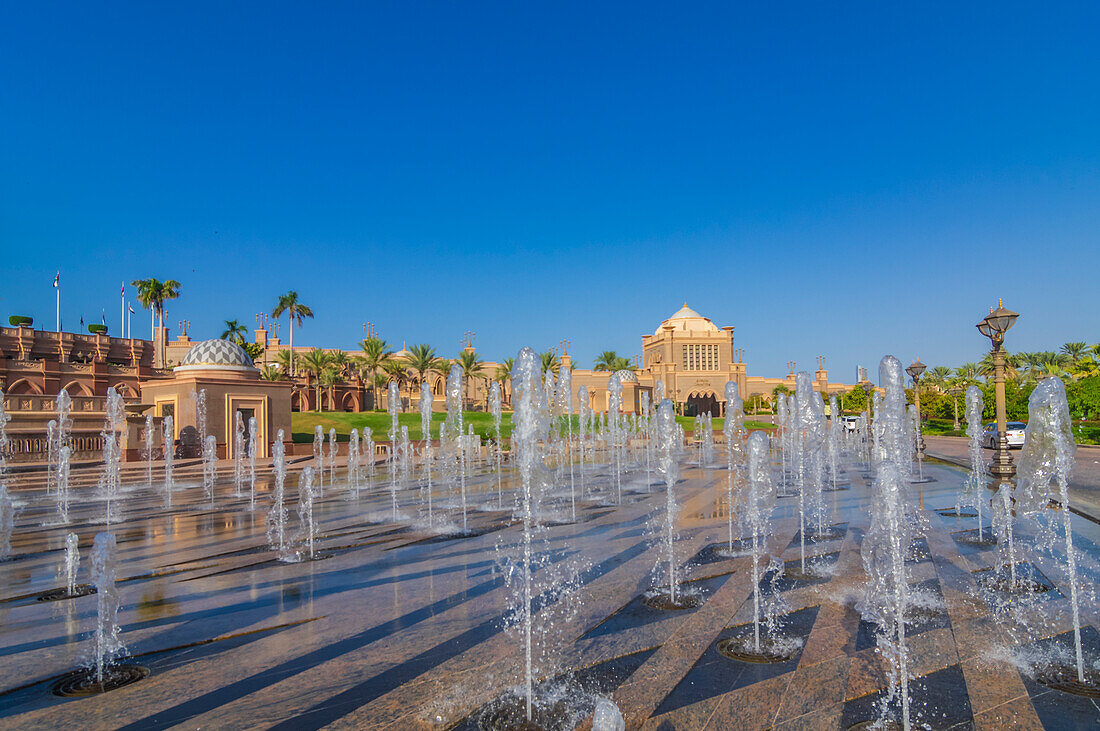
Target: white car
{"type": "Point", "coordinates": [851, 423]}
{"type": "Point", "coordinates": [1014, 430]}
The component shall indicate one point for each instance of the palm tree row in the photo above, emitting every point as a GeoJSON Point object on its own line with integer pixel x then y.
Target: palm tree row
{"type": "Point", "coordinates": [1073, 361]}
{"type": "Point", "coordinates": [377, 366]}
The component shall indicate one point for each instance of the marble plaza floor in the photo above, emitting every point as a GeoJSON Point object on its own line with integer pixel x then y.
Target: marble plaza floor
{"type": "Point", "coordinates": [401, 628]}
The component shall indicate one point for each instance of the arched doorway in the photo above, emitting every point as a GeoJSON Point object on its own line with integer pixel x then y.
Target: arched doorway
{"type": "Point", "coordinates": [702, 403]}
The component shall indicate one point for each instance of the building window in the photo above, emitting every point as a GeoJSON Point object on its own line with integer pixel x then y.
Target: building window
{"type": "Point", "coordinates": [699, 357]}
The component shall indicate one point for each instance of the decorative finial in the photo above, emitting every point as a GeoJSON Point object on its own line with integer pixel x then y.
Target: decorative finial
{"type": "Point", "coordinates": [1000, 302]}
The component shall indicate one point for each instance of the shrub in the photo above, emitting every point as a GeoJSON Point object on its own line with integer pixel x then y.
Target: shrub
{"type": "Point", "coordinates": [96, 329]}
{"type": "Point", "coordinates": [17, 320]}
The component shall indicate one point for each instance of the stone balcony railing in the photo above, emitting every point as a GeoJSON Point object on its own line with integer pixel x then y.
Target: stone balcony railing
{"type": "Point", "coordinates": [33, 447]}
{"type": "Point", "coordinates": [22, 403]}
{"type": "Point", "coordinates": [28, 344]}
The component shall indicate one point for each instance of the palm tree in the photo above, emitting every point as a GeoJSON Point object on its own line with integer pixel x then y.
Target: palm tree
{"type": "Point", "coordinates": [550, 362]}
{"type": "Point", "coordinates": [271, 373]}
{"type": "Point", "coordinates": [153, 293]}
{"type": "Point", "coordinates": [472, 367]}
{"type": "Point", "coordinates": [422, 359]}
{"type": "Point", "coordinates": [1086, 367]}
{"type": "Point", "coordinates": [379, 380]}
{"type": "Point", "coordinates": [395, 370]}
{"type": "Point", "coordinates": [937, 377]}
{"type": "Point", "coordinates": [282, 360]}
{"type": "Point", "coordinates": [339, 360]}
{"type": "Point", "coordinates": [234, 331]}
{"type": "Point", "coordinates": [607, 361]}
{"type": "Point", "coordinates": [289, 303]}
{"type": "Point", "coordinates": [968, 372]}
{"type": "Point", "coordinates": [503, 376]}
{"type": "Point", "coordinates": [328, 378]}
{"type": "Point", "coordinates": [315, 362]}
{"type": "Point", "coordinates": [376, 352]}
{"type": "Point", "coordinates": [1075, 351]}
{"type": "Point", "coordinates": [622, 364]}
{"type": "Point", "coordinates": [985, 366]}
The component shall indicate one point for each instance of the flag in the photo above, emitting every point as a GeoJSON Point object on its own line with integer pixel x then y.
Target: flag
{"type": "Point", "coordinates": [82, 322]}
{"type": "Point", "coordinates": [57, 280]}
{"type": "Point", "coordinates": [124, 289]}
{"type": "Point", "coordinates": [103, 316]}
{"type": "Point", "coordinates": [131, 308]}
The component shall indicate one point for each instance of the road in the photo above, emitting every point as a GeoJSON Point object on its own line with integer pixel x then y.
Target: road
{"type": "Point", "coordinates": [1084, 484]}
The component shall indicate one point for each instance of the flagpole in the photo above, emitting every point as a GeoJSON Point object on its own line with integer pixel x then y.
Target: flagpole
{"type": "Point", "coordinates": [58, 288]}
{"type": "Point", "coordinates": [122, 324]}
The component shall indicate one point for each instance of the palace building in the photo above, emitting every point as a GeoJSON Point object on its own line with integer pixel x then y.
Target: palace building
{"type": "Point", "coordinates": [687, 351]}
{"type": "Point", "coordinates": [691, 355]}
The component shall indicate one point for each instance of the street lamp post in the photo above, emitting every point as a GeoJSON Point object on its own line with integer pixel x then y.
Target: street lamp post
{"type": "Point", "coordinates": [915, 371]}
{"type": "Point", "coordinates": [994, 326]}
{"type": "Point", "coordinates": [868, 388]}
{"type": "Point", "coordinates": [955, 391]}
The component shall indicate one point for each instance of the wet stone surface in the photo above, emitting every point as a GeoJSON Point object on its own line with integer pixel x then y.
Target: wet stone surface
{"type": "Point", "coordinates": [404, 626]}
{"type": "Point", "coordinates": [941, 702]}
{"type": "Point", "coordinates": [716, 672]}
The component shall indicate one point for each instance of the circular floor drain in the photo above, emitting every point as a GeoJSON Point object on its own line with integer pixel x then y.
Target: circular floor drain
{"type": "Point", "coordinates": [742, 650]}
{"type": "Point", "coordinates": [509, 713]}
{"type": "Point", "coordinates": [889, 725]}
{"type": "Point", "coordinates": [83, 682]}
{"type": "Point", "coordinates": [810, 574]}
{"type": "Point", "coordinates": [56, 595]}
{"type": "Point", "coordinates": [952, 513]}
{"type": "Point", "coordinates": [661, 601]}
{"type": "Point", "coordinates": [1023, 587]}
{"type": "Point", "coordinates": [1065, 679]}
{"type": "Point", "coordinates": [986, 541]}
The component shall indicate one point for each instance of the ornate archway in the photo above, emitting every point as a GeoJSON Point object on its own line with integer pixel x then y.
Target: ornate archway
{"type": "Point", "coordinates": [77, 388]}
{"type": "Point", "coordinates": [702, 402]}
{"type": "Point", "coordinates": [127, 390]}
{"type": "Point", "coordinates": [24, 387]}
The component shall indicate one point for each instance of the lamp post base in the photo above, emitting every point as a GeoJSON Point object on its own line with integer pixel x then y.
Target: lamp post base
{"type": "Point", "coordinates": [1002, 469]}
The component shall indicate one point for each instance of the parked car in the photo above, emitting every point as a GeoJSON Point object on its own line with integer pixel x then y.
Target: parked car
{"type": "Point", "coordinates": [851, 423]}
{"type": "Point", "coordinates": [1014, 430]}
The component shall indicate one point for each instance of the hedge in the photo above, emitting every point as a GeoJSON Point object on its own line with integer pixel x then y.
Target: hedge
{"type": "Point", "coordinates": [17, 320]}
{"type": "Point", "coordinates": [97, 329]}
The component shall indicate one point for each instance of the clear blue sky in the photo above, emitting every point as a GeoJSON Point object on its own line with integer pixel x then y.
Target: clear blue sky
{"type": "Point", "coordinates": [829, 178]}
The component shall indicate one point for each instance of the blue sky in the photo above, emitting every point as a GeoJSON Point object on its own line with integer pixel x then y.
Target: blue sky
{"type": "Point", "coordinates": [829, 179]}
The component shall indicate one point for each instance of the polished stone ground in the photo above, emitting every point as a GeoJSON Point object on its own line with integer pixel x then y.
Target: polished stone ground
{"type": "Point", "coordinates": [401, 628]}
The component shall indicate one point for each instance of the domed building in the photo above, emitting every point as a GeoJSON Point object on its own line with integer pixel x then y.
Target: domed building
{"type": "Point", "coordinates": [219, 355]}
{"type": "Point", "coordinates": [232, 385]}
{"type": "Point", "coordinates": [695, 358]}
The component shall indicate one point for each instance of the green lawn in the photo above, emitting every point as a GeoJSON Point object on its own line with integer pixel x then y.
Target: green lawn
{"type": "Point", "coordinates": [688, 422]}
{"type": "Point", "coordinates": [303, 422]}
